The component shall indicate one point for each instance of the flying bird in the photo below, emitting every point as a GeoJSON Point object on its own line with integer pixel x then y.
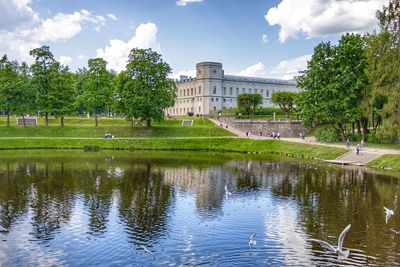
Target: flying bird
{"type": "Point", "coordinates": [389, 213]}
{"type": "Point", "coordinates": [396, 232]}
{"type": "Point", "coordinates": [252, 241]}
{"type": "Point", "coordinates": [339, 249]}
{"type": "Point", "coordinates": [148, 251]}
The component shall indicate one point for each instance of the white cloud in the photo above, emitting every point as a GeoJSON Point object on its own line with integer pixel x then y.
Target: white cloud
{"type": "Point", "coordinates": [189, 73]}
{"type": "Point", "coordinates": [319, 18]}
{"type": "Point", "coordinates": [286, 69]}
{"type": "Point", "coordinates": [112, 16]}
{"type": "Point", "coordinates": [116, 53]}
{"type": "Point", "coordinates": [256, 70]}
{"type": "Point", "coordinates": [15, 14]}
{"type": "Point", "coordinates": [185, 2]}
{"type": "Point", "coordinates": [17, 42]}
{"type": "Point", "coordinates": [81, 57]}
{"type": "Point", "coordinates": [64, 60]}
{"type": "Point", "coordinates": [264, 39]}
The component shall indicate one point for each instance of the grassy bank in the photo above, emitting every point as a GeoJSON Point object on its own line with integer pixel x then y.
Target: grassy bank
{"type": "Point", "coordinates": [391, 162]}
{"type": "Point", "coordinates": [194, 144]}
{"type": "Point", "coordinates": [81, 127]}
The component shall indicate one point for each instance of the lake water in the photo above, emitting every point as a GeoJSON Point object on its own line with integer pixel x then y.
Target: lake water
{"type": "Point", "coordinates": [99, 209]}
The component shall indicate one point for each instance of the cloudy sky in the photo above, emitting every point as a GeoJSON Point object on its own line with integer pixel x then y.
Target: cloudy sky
{"type": "Point", "coordinates": [264, 38]}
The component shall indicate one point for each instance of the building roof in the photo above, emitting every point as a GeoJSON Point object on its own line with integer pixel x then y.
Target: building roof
{"type": "Point", "coordinates": [259, 80]}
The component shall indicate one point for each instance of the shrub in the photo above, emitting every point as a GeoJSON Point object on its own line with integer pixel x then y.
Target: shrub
{"type": "Point", "coordinates": [190, 113]}
{"type": "Point", "coordinates": [327, 134]}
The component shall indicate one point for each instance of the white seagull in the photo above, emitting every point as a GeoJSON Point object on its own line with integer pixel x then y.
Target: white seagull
{"type": "Point", "coordinates": [148, 251]}
{"type": "Point", "coordinates": [252, 241]}
{"type": "Point", "coordinates": [339, 249]}
{"type": "Point", "coordinates": [396, 232]}
{"type": "Point", "coordinates": [389, 213]}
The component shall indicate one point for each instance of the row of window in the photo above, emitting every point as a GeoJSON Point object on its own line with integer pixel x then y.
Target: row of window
{"type": "Point", "coordinates": [186, 101]}
{"type": "Point", "coordinates": [197, 91]}
{"type": "Point", "coordinates": [183, 111]}
{"type": "Point", "coordinates": [191, 91]}
{"type": "Point", "coordinates": [250, 91]}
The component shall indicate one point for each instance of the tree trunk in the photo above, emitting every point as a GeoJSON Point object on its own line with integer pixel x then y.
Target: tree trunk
{"type": "Point", "coordinates": [95, 119]}
{"type": "Point", "coordinates": [62, 121]}
{"type": "Point", "coordinates": [46, 118]}
{"type": "Point", "coordinates": [342, 133]}
{"type": "Point", "coordinates": [358, 127]}
{"type": "Point", "coordinates": [352, 127]}
{"type": "Point", "coordinates": [23, 120]}
{"type": "Point", "coordinates": [8, 119]}
{"type": "Point", "coordinates": [365, 130]}
{"type": "Point", "coordinates": [148, 123]}
{"type": "Point", "coordinates": [131, 121]}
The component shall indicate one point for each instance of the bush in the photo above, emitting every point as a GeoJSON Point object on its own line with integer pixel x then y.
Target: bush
{"type": "Point", "coordinates": [190, 113]}
{"type": "Point", "coordinates": [327, 134]}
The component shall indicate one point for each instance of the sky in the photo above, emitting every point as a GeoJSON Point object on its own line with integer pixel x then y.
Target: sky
{"type": "Point", "coordinates": [260, 38]}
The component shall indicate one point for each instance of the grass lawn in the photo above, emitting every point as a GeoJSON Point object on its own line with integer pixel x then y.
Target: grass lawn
{"type": "Point", "coordinates": [386, 162]}
{"type": "Point", "coordinates": [119, 127]}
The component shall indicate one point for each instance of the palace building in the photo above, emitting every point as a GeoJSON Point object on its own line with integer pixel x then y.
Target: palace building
{"type": "Point", "coordinates": [212, 91]}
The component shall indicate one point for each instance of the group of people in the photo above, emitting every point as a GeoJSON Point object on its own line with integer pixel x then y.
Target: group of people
{"type": "Point", "coordinates": [274, 135]}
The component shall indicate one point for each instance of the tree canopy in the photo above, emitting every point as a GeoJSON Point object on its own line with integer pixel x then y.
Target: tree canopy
{"type": "Point", "coordinates": [249, 102]}
{"type": "Point", "coordinates": [333, 83]}
{"type": "Point", "coordinates": [285, 100]}
{"type": "Point", "coordinates": [146, 90]}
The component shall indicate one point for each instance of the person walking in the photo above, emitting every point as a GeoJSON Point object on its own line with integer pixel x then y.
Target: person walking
{"type": "Point", "coordinates": [358, 148]}
{"type": "Point", "coordinates": [348, 143]}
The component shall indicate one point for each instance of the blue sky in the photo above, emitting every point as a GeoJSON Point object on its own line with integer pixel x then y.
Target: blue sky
{"type": "Point", "coordinates": [267, 38]}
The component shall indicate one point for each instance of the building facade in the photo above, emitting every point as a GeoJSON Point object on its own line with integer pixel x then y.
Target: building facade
{"type": "Point", "coordinates": [212, 91]}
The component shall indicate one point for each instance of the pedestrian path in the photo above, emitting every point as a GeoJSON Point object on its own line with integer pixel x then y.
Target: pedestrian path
{"type": "Point", "coordinates": [367, 154]}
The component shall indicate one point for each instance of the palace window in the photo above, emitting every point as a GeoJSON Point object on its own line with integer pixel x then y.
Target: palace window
{"type": "Point", "coordinates": [237, 91]}
{"type": "Point", "coordinates": [214, 90]}
{"type": "Point", "coordinates": [224, 91]}
{"type": "Point", "coordinates": [267, 93]}
{"type": "Point", "coordinates": [199, 89]}
{"type": "Point", "coordinates": [230, 90]}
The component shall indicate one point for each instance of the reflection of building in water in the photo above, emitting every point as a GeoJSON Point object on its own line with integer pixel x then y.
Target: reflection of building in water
{"type": "Point", "coordinates": [208, 184]}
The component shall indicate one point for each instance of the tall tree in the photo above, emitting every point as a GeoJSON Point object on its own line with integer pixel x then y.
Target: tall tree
{"type": "Point", "coordinates": [98, 87]}
{"type": "Point", "coordinates": [285, 100]}
{"type": "Point", "coordinates": [125, 97]}
{"type": "Point", "coordinates": [63, 93]}
{"type": "Point", "coordinates": [150, 89]}
{"type": "Point", "coordinates": [383, 70]}
{"type": "Point", "coordinates": [249, 102]}
{"type": "Point", "coordinates": [42, 74]}
{"type": "Point", "coordinates": [16, 96]}
{"type": "Point", "coordinates": [333, 82]}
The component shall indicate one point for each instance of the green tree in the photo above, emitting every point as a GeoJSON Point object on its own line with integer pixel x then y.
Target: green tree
{"type": "Point", "coordinates": [125, 97]}
{"type": "Point", "coordinates": [63, 93]}
{"type": "Point", "coordinates": [383, 53]}
{"type": "Point", "coordinates": [333, 83]}
{"type": "Point", "coordinates": [43, 73]}
{"type": "Point", "coordinates": [285, 100]}
{"type": "Point", "coordinates": [16, 96]}
{"type": "Point", "coordinates": [149, 90]}
{"type": "Point", "coordinates": [97, 87]}
{"type": "Point", "coordinates": [249, 102]}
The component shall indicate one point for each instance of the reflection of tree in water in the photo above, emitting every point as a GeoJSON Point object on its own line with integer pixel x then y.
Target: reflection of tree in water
{"type": "Point", "coordinates": [52, 199]}
{"type": "Point", "coordinates": [144, 201]}
{"type": "Point", "coordinates": [14, 194]}
{"type": "Point", "coordinates": [98, 194]}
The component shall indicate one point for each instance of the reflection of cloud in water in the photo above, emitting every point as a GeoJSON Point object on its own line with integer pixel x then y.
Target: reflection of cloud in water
{"type": "Point", "coordinates": [281, 226]}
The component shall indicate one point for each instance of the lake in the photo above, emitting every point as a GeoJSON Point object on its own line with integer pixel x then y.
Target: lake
{"type": "Point", "coordinates": [104, 209]}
